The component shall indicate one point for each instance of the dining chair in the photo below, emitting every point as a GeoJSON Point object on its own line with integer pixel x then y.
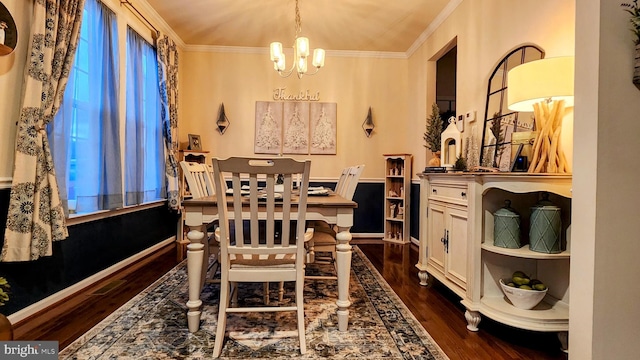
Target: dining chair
{"type": "Point", "coordinates": [198, 179]}
{"type": "Point", "coordinates": [200, 182]}
{"type": "Point", "coordinates": [250, 248]}
{"type": "Point", "coordinates": [324, 236]}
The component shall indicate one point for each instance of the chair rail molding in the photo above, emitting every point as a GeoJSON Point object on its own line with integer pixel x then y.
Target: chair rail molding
{"type": "Point", "coordinates": [5, 182]}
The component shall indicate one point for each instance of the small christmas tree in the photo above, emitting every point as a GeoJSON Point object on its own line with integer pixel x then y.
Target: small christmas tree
{"type": "Point", "coordinates": [434, 130]}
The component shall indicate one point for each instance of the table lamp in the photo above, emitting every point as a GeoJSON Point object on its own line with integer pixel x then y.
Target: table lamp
{"type": "Point", "coordinates": [546, 87]}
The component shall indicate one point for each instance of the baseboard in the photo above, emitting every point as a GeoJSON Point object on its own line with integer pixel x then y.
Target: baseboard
{"type": "Point", "coordinates": [415, 241]}
{"type": "Point", "coordinates": [51, 300]}
{"type": "Point", "coordinates": [366, 241]}
{"type": "Point", "coordinates": [367, 235]}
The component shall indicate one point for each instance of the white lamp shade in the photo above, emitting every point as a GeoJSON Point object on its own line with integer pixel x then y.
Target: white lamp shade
{"type": "Point", "coordinates": [540, 80]}
{"type": "Point", "coordinates": [276, 51]}
{"type": "Point", "coordinates": [318, 58]}
{"type": "Point", "coordinates": [302, 47]}
{"type": "Point", "coordinates": [279, 65]}
{"type": "Point", "coordinates": [301, 65]}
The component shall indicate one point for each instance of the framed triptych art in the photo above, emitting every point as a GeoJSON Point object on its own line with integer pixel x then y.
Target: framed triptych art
{"type": "Point", "coordinates": [295, 127]}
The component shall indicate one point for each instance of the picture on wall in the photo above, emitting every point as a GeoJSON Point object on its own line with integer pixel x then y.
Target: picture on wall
{"type": "Point", "coordinates": [296, 128]}
{"type": "Point", "coordinates": [268, 139]}
{"type": "Point", "coordinates": [323, 128]}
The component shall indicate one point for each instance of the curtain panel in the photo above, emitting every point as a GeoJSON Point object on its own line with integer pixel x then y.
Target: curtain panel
{"type": "Point", "coordinates": [167, 52]}
{"type": "Point", "coordinates": [144, 147]}
{"type": "Point", "coordinates": [85, 134]}
{"type": "Point", "coordinates": [36, 217]}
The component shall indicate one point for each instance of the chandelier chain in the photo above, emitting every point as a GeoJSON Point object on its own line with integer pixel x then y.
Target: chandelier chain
{"type": "Point", "coordinates": [298, 20]}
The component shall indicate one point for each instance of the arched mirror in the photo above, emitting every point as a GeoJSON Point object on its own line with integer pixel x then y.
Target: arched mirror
{"type": "Point", "coordinates": [8, 32]}
{"type": "Point", "coordinates": [499, 122]}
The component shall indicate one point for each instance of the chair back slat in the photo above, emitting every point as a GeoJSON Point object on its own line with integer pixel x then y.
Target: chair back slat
{"type": "Point", "coordinates": [352, 181]}
{"type": "Point", "coordinates": [342, 182]}
{"type": "Point", "coordinates": [261, 220]}
{"type": "Point", "coordinates": [198, 179]}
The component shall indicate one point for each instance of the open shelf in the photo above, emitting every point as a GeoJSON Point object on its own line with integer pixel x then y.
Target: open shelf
{"type": "Point", "coordinates": [524, 252]}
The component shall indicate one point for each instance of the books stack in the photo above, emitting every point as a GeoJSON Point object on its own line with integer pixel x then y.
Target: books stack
{"type": "Point", "coordinates": [435, 169]}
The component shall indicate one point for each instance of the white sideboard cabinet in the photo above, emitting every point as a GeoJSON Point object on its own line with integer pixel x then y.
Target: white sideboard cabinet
{"type": "Point", "coordinates": [456, 245]}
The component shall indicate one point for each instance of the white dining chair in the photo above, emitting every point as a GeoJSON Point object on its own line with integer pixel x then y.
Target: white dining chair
{"type": "Point", "coordinates": [254, 253]}
{"type": "Point", "coordinates": [324, 237]}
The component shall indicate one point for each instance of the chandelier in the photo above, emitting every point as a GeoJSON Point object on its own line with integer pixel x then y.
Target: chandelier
{"type": "Point", "coordinates": [300, 54]}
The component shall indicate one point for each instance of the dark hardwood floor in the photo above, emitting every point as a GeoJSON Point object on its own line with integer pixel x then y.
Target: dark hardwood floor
{"type": "Point", "coordinates": [437, 309]}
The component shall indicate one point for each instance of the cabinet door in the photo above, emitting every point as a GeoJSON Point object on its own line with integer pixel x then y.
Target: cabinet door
{"type": "Point", "coordinates": [436, 231]}
{"type": "Point", "coordinates": [456, 256]}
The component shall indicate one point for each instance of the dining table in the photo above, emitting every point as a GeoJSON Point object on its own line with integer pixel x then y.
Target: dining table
{"type": "Point", "coordinates": [331, 208]}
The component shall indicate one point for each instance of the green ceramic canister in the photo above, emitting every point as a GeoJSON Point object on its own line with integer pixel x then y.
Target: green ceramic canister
{"type": "Point", "coordinates": [546, 227]}
{"type": "Point", "coordinates": [506, 227]}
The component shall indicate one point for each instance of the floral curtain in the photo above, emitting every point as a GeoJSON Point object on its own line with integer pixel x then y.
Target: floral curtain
{"type": "Point", "coordinates": [36, 218]}
{"type": "Point", "coordinates": [168, 77]}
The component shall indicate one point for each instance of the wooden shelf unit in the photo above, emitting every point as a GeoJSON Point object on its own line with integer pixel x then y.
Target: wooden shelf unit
{"type": "Point", "coordinates": [397, 187]}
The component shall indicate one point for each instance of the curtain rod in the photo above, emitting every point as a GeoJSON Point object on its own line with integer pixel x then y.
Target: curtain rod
{"type": "Point", "coordinates": [130, 5]}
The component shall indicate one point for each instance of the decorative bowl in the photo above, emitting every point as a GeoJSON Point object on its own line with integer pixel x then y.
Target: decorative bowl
{"type": "Point", "coordinates": [523, 298]}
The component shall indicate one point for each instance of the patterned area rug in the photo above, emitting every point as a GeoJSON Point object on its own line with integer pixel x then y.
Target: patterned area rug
{"type": "Point", "coordinates": [153, 325]}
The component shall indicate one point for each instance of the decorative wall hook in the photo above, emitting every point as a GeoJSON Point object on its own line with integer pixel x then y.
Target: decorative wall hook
{"type": "Point", "coordinates": [368, 125]}
{"type": "Point", "coordinates": [222, 123]}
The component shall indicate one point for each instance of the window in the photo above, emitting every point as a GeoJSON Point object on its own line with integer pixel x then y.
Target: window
{"type": "Point", "coordinates": [144, 147]}
{"type": "Point", "coordinates": [84, 135]}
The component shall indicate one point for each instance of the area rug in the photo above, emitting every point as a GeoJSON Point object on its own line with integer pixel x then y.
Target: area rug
{"type": "Point", "coordinates": [153, 325]}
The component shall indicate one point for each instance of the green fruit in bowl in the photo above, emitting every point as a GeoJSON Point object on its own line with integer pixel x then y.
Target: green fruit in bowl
{"type": "Point", "coordinates": [540, 287]}
{"type": "Point", "coordinates": [519, 274]}
{"type": "Point", "coordinates": [525, 287]}
{"type": "Point", "coordinates": [521, 280]}
{"type": "Point", "coordinates": [511, 284]}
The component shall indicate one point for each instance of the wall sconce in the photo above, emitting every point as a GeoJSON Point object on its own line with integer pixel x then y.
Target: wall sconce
{"type": "Point", "coordinates": [222, 123]}
{"type": "Point", "coordinates": [450, 144]}
{"type": "Point", "coordinates": [368, 125]}
{"type": "Point", "coordinates": [546, 87]}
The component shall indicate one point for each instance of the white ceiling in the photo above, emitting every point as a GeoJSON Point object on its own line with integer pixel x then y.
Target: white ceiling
{"type": "Point", "coordinates": [347, 25]}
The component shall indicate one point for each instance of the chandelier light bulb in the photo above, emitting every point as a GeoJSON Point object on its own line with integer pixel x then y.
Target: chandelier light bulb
{"type": "Point", "coordinates": [279, 65]}
{"type": "Point", "coordinates": [302, 65]}
{"type": "Point", "coordinates": [302, 47]}
{"type": "Point", "coordinates": [276, 51]}
{"type": "Point", "coordinates": [318, 58]}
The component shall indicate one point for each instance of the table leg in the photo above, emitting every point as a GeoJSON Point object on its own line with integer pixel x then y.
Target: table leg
{"type": "Point", "coordinates": [195, 260]}
{"type": "Point", "coordinates": [343, 259]}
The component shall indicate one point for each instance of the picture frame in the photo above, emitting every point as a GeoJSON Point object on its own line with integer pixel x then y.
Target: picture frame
{"type": "Point", "coordinates": [8, 32]}
{"type": "Point", "coordinates": [194, 142]}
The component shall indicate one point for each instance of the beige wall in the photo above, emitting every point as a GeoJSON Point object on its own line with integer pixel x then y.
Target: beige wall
{"type": "Point", "coordinates": [11, 73]}
{"type": "Point", "coordinates": [238, 80]}
{"type": "Point", "coordinates": [605, 316]}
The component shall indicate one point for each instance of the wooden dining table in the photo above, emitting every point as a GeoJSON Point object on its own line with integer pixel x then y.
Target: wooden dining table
{"type": "Point", "coordinates": [333, 209]}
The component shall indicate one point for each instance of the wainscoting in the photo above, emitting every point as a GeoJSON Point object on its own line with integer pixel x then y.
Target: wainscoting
{"type": "Point", "coordinates": [96, 245]}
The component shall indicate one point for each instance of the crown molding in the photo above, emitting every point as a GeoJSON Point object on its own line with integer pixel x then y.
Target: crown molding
{"type": "Point", "coordinates": [444, 14]}
{"type": "Point", "coordinates": [148, 10]}
{"type": "Point", "coordinates": [155, 18]}
{"type": "Point", "coordinates": [265, 50]}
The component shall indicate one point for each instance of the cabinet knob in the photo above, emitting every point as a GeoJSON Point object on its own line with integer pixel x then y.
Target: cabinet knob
{"type": "Point", "coordinates": [463, 194]}
{"type": "Point", "coordinates": [434, 191]}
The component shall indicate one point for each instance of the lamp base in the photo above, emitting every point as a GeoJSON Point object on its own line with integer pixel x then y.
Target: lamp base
{"type": "Point", "coordinates": [548, 156]}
